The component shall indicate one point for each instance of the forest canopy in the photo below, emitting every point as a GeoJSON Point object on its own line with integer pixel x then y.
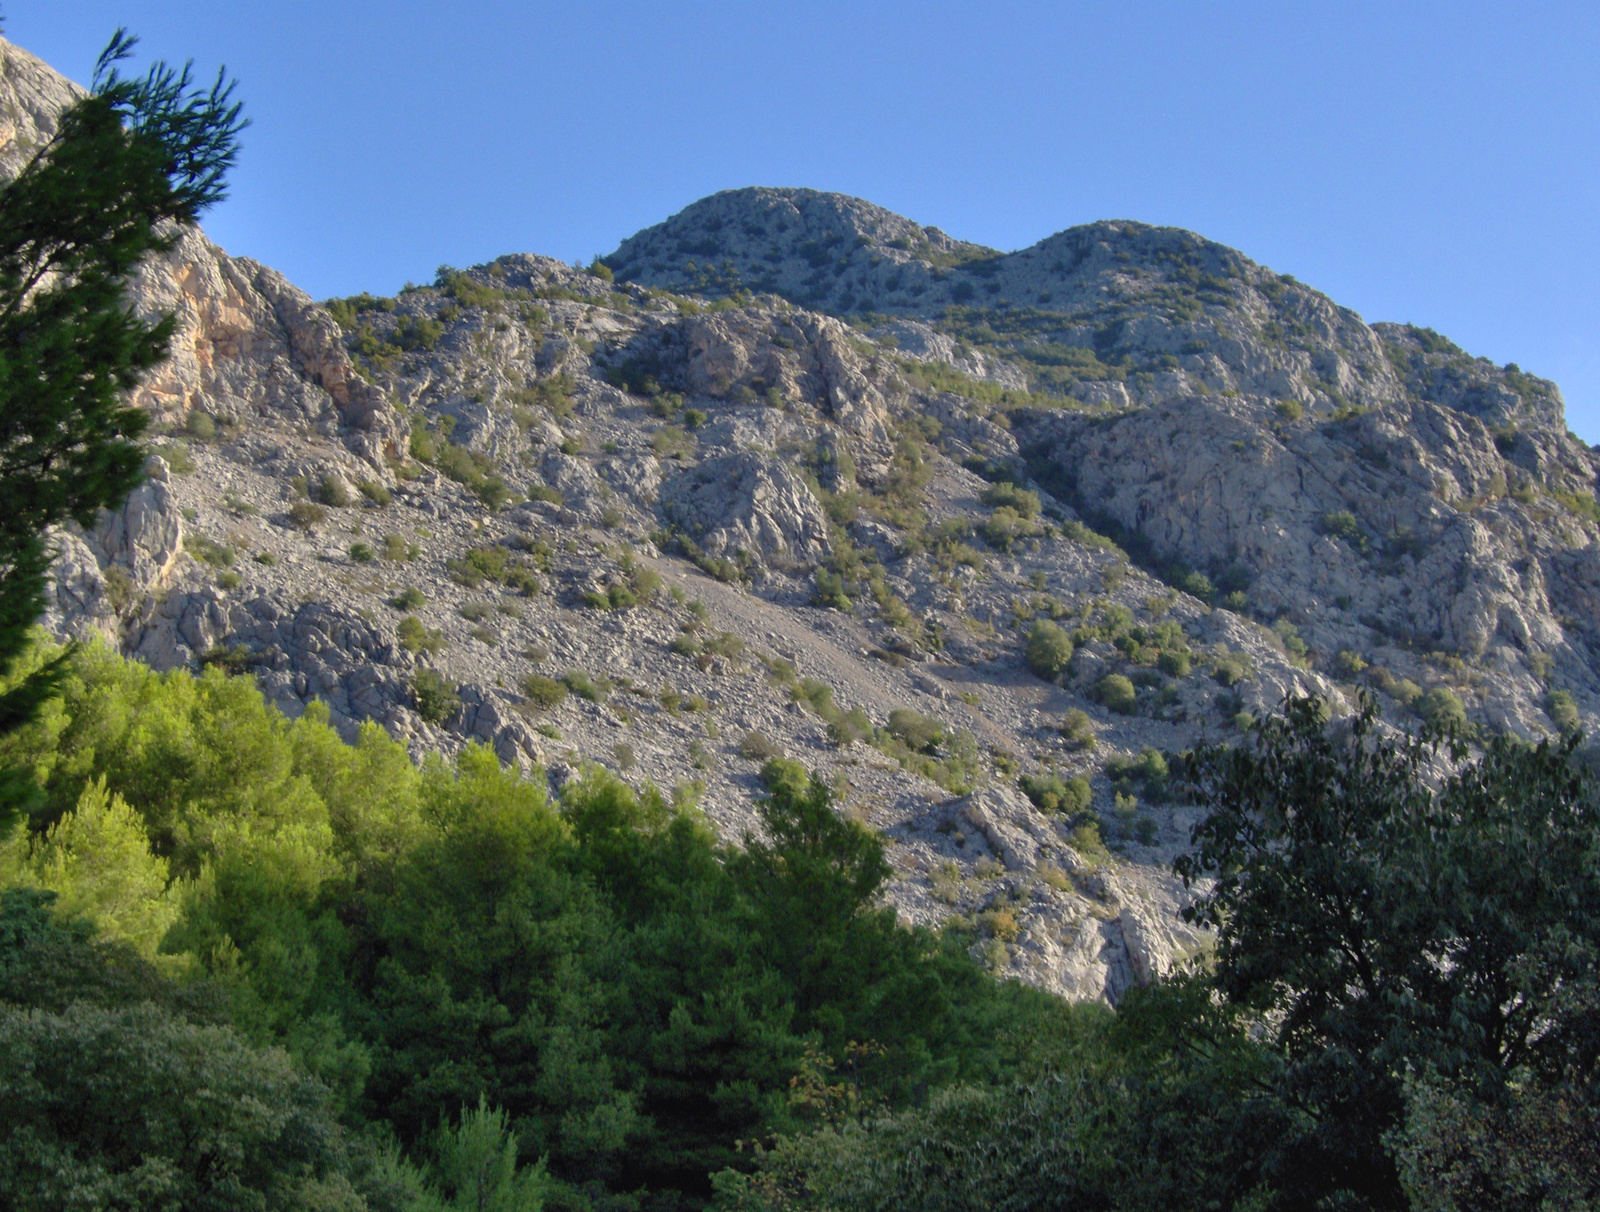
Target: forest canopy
{"type": "Point", "coordinates": [631, 995]}
{"type": "Point", "coordinates": [402, 982]}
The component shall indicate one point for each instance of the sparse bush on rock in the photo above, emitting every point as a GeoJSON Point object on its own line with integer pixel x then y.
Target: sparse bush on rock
{"type": "Point", "coordinates": [306, 514]}
{"type": "Point", "coordinates": [1442, 708]}
{"type": "Point", "coordinates": [1053, 794]}
{"type": "Point", "coordinates": [436, 699]}
{"type": "Point", "coordinates": [758, 747]}
{"type": "Point", "coordinates": [1049, 649]}
{"type": "Point", "coordinates": [1117, 693]}
{"type": "Point", "coordinates": [543, 692]}
{"type": "Point", "coordinates": [1562, 709]}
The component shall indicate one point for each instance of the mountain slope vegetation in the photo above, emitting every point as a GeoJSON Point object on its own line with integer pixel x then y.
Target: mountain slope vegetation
{"type": "Point", "coordinates": [804, 712]}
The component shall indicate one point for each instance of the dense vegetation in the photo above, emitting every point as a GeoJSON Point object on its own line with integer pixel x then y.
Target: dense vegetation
{"type": "Point", "coordinates": [383, 944]}
{"type": "Point", "coordinates": [331, 977]}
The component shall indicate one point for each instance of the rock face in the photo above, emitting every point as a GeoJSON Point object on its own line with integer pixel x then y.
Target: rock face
{"type": "Point", "coordinates": [1374, 486]}
{"type": "Point", "coordinates": [749, 356]}
{"type": "Point", "coordinates": [145, 536]}
{"type": "Point", "coordinates": [924, 343]}
{"type": "Point", "coordinates": [790, 472]}
{"type": "Point", "coordinates": [1437, 508]}
{"type": "Point", "coordinates": [250, 347]}
{"type": "Point", "coordinates": [32, 96]}
{"type": "Point", "coordinates": [748, 505]}
{"type": "Point", "coordinates": [128, 557]}
{"type": "Point", "coordinates": [299, 651]}
{"type": "Point", "coordinates": [248, 344]}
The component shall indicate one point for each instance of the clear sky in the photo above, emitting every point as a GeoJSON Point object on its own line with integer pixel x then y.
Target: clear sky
{"type": "Point", "coordinates": [1434, 163]}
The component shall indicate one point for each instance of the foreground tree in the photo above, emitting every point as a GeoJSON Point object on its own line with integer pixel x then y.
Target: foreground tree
{"type": "Point", "coordinates": [130, 163]}
{"type": "Point", "coordinates": [1403, 1011]}
{"type": "Point", "coordinates": [1385, 918]}
{"type": "Point", "coordinates": [121, 1089]}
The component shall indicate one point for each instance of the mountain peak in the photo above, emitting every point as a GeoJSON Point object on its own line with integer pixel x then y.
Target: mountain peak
{"type": "Point", "coordinates": [810, 246]}
{"type": "Point", "coordinates": [848, 256]}
{"type": "Point", "coordinates": [459, 511]}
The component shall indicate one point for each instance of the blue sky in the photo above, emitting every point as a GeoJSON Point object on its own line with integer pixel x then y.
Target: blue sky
{"type": "Point", "coordinates": [1434, 163]}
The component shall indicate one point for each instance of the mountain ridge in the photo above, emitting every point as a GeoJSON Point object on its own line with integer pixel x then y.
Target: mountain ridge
{"type": "Point", "coordinates": [956, 271]}
{"type": "Point", "coordinates": [678, 520]}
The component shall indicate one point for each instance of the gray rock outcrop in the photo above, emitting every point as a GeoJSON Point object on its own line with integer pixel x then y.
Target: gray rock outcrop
{"type": "Point", "coordinates": [250, 346]}
{"type": "Point", "coordinates": [748, 505]}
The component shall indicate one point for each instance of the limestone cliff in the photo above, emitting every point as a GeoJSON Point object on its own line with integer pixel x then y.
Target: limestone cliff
{"type": "Point", "coordinates": [1376, 487]}
{"type": "Point", "coordinates": [789, 473]}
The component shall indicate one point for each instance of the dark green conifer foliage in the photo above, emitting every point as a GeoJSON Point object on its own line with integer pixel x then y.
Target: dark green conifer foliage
{"type": "Point", "coordinates": [129, 165]}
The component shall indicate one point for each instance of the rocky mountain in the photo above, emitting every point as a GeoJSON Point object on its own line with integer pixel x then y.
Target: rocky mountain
{"type": "Point", "coordinates": [979, 537]}
{"type": "Point", "coordinates": [1375, 487]}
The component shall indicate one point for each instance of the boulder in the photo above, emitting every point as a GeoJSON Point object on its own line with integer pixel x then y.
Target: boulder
{"type": "Point", "coordinates": [748, 503]}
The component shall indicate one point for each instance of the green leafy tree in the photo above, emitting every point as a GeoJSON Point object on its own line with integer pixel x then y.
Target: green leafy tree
{"type": "Point", "coordinates": [811, 890]}
{"type": "Point", "coordinates": [809, 881]}
{"type": "Point", "coordinates": [97, 860]}
{"type": "Point", "coordinates": [1154, 1107]}
{"type": "Point", "coordinates": [129, 164]}
{"type": "Point", "coordinates": [635, 995]}
{"type": "Point", "coordinates": [120, 1089]}
{"type": "Point", "coordinates": [49, 960]}
{"type": "Point", "coordinates": [219, 1124]}
{"type": "Point", "coordinates": [491, 952]}
{"type": "Point", "coordinates": [701, 1024]}
{"type": "Point", "coordinates": [476, 1165]}
{"type": "Point", "coordinates": [196, 756]}
{"type": "Point", "coordinates": [1539, 1150]}
{"type": "Point", "coordinates": [1382, 921]}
